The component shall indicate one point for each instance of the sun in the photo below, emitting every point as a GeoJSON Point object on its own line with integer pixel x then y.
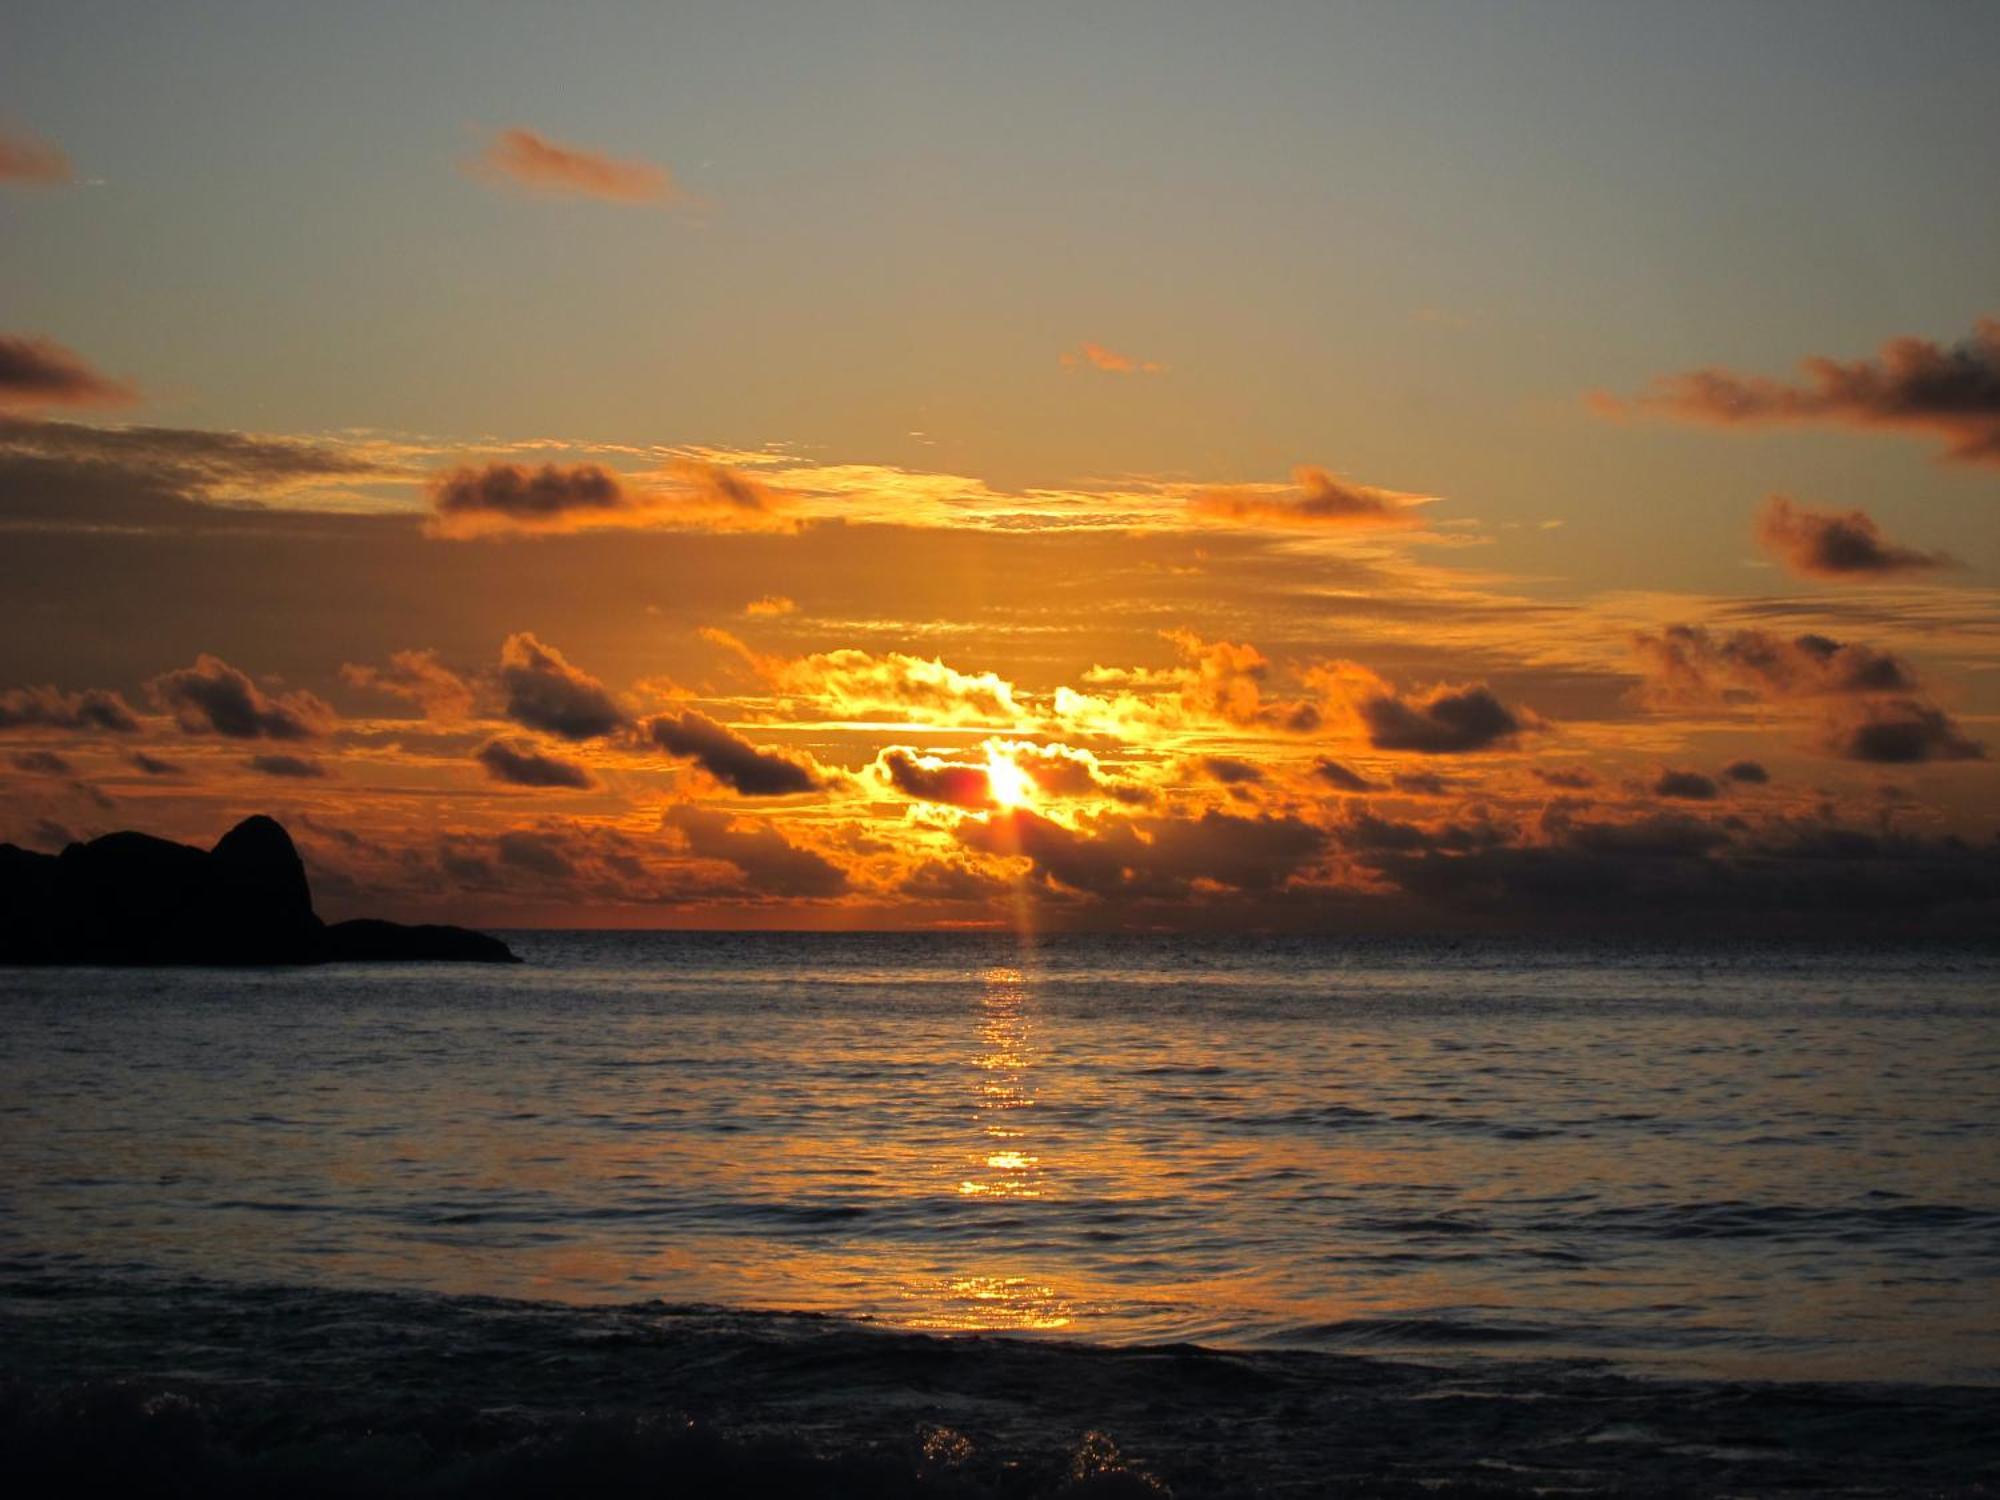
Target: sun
{"type": "Point", "coordinates": [1007, 783]}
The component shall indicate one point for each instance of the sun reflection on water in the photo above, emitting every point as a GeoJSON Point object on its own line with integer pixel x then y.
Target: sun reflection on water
{"type": "Point", "coordinates": [1002, 1165]}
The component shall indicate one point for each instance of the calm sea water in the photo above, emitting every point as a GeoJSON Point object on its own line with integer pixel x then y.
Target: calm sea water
{"type": "Point", "coordinates": [1771, 1162]}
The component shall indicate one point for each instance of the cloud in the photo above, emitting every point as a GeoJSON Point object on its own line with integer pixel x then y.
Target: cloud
{"type": "Point", "coordinates": [152, 765]}
{"type": "Point", "coordinates": [525, 159]}
{"type": "Point", "coordinates": [768, 864]}
{"type": "Point", "coordinates": [1089, 356]}
{"type": "Point", "coordinates": [68, 476]}
{"type": "Point", "coordinates": [1225, 680]}
{"type": "Point", "coordinates": [728, 757]}
{"type": "Point", "coordinates": [1687, 785]}
{"type": "Point", "coordinates": [212, 696]}
{"type": "Point", "coordinates": [519, 763]}
{"type": "Point", "coordinates": [1750, 772]}
{"type": "Point", "coordinates": [29, 161]}
{"type": "Point", "coordinates": [770, 604]}
{"type": "Point", "coordinates": [929, 779]}
{"type": "Point", "coordinates": [1912, 385]}
{"type": "Point", "coordinates": [417, 677]}
{"type": "Point", "coordinates": [1151, 857]}
{"type": "Point", "coordinates": [543, 691]}
{"type": "Point", "coordinates": [41, 372]}
{"type": "Point", "coordinates": [1230, 771]}
{"type": "Point", "coordinates": [1900, 731]}
{"type": "Point", "coordinates": [50, 708]}
{"type": "Point", "coordinates": [1569, 778]}
{"type": "Point", "coordinates": [295, 766]}
{"type": "Point", "coordinates": [505, 499]}
{"type": "Point", "coordinates": [1824, 544]}
{"type": "Point", "coordinates": [42, 763]}
{"type": "Point", "coordinates": [1317, 499]}
{"type": "Point", "coordinates": [1686, 665]}
{"type": "Point", "coordinates": [1335, 774]}
{"type": "Point", "coordinates": [1445, 721]}
{"type": "Point", "coordinates": [854, 684]}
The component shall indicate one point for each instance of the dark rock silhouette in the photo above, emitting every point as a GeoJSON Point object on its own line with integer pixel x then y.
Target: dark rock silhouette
{"type": "Point", "coordinates": [130, 898]}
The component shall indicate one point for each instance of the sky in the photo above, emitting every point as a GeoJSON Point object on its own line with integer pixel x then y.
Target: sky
{"type": "Point", "coordinates": [1314, 467]}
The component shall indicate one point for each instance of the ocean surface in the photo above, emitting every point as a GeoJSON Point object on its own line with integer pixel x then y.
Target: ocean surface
{"type": "Point", "coordinates": [1696, 1164]}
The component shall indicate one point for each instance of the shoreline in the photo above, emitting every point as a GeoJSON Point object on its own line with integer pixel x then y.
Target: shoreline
{"type": "Point", "coordinates": [132, 1380]}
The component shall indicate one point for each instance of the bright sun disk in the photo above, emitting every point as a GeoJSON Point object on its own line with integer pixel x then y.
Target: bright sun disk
{"type": "Point", "coordinates": [1009, 785]}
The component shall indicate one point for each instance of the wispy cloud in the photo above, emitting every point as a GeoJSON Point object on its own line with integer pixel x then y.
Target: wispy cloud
{"type": "Point", "coordinates": [29, 161]}
{"type": "Point", "coordinates": [525, 159]}
{"type": "Point", "coordinates": [1089, 356]}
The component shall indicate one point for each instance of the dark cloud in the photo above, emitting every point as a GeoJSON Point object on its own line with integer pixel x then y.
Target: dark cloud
{"type": "Point", "coordinates": [1152, 856]}
{"type": "Point", "coordinates": [1900, 731]}
{"type": "Point", "coordinates": [66, 476]}
{"type": "Point", "coordinates": [1570, 778]}
{"type": "Point", "coordinates": [1451, 721]}
{"type": "Point", "coordinates": [505, 499]}
{"type": "Point", "coordinates": [952, 782]}
{"type": "Point", "coordinates": [1912, 385]}
{"type": "Point", "coordinates": [1230, 771]}
{"type": "Point", "coordinates": [1673, 873]}
{"type": "Point", "coordinates": [1686, 665]}
{"type": "Point", "coordinates": [545, 692]}
{"type": "Point", "coordinates": [42, 763]}
{"type": "Point", "coordinates": [29, 161]}
{"type": "Point", "coordinates": [1749, 771]}
{"type": "Point", "coordinates": [1335, 774]}
{"type": "Point", "coordinates": [521, 764]}
{"type": "Point", "coordinates": [212, 696]}
{"type": "Point", "coordinates": [537, 854]}
{"type": "Point", "coordinates": [1688, 785]}
{"type": "Point", "coordinates": [728, 757]}
{"type": "Point", "coordinates": [1420, 784]}
{"type": "Point", "coordinates": [768, 864]}
{"type": "Point", "coordinates": [297, 767]}
{"type": "Point", "coordinates": [937, 880]}
{"type": "Point", "coordinates": [523, 494]}
{"type": "Point", "coordinates": [41, 372]}
{"type": "Point", "coordinates": [152, 765]}
{"type": "Point", "coordinates": [1826, 544]}
{"type": "Point", "coordinates": [51, 708]}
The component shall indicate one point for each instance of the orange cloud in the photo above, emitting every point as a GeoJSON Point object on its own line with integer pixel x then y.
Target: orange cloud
{"type": "Point", "coordinates": [855, 684]}
{"type": "Point", "coordinates": [505, 499]}
{"type": "Point", "coordinates": [420, 678]}
{"type": "Point", "coordinates": [1089, 356]}
{"type": "Point", "coordinates": [1825, 544]}
{"type": "Point", "coordinates": [41, 372]}
{"type": "Point", "coordinates": [1316, 498]}
{"type": "Point", "coordinates": [770, 604]}
{"type": "Point", "coordinates": [1912, 385]}
{"type": "Point", "coordinates": [525, 159]}
{"type": "Point", "coordinates": [30, 161]}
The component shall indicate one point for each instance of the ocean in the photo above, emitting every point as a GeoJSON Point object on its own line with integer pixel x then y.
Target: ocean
{"type": "Point", "coordinates": [1602, 1185]}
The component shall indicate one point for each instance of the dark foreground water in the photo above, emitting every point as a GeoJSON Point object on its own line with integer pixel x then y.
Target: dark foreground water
{"type": "Point", "coordinates": [1656, 1220]}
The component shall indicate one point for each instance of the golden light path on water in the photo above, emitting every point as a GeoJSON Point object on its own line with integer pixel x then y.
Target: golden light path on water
{"type": "Point", "coordinates": [1004, 1164]}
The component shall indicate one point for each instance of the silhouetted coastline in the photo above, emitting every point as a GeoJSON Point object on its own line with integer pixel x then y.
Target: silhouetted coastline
{"type": "Point", "coordinates": [132, 899]}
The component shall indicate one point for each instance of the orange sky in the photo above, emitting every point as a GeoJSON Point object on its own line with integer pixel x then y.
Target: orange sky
{"type": "Point", "coordinates": [1120, 620]}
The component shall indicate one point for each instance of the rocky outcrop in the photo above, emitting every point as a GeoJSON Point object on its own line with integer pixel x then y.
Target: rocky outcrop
{"type": "Point", "coordinates": [130, 898]}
